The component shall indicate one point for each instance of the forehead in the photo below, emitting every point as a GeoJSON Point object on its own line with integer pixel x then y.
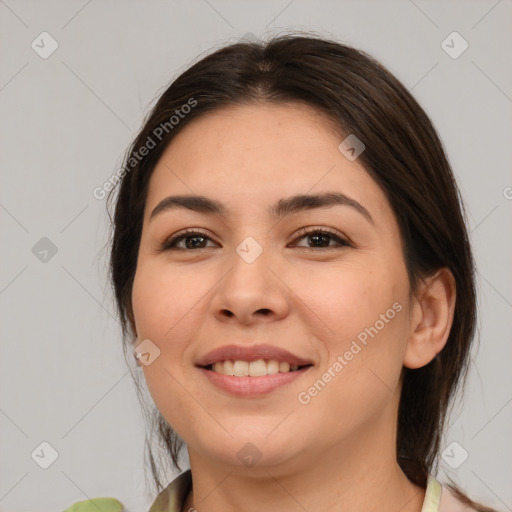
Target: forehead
{"type": "Point", "coordinates": [254, 153]}
{"type": "Point", "coordinates": [239, 132]}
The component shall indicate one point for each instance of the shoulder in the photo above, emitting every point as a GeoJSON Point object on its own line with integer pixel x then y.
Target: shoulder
{"type": "Point", "coordinates": [450, 502]}
{"type": "Point", "coordinates": [454, 499]}
{"type": "Point", "coordinates": [103, 504]}
{"type": "Point", "coordinates": [172, 498]}
{"type": "Point", "coordinates": [449, 498]}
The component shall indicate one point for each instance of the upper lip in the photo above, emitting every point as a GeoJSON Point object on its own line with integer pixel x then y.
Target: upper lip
{"type": "Point", "coordinates": [249, 354]}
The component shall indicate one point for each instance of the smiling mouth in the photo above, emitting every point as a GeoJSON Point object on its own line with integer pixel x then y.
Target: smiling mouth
{"type": "Point", "coordinates": [258, 368]}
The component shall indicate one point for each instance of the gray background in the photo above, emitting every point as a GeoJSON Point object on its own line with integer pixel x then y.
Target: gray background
{"type": "Point", "coordinates": [65, 123]}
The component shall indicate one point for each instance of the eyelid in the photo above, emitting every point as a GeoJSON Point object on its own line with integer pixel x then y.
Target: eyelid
{"type": "Point", "coordinates": [311, 230]}
{"type": "Point", "coordinates": [174, 238]}
{"type": "Point", "coordinates": [341, 239]}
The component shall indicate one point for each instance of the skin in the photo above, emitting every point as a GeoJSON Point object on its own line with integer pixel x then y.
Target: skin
{"type": "Point", "coordinates": [310, 300]}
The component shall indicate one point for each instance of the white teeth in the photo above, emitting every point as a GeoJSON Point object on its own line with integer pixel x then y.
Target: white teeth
{"type": "Point", "coordinates": [228, 368]}
{"type": "Point", "coordinates": [284, 367]}
{"type": "Point", "coordinates": [272, 367]}
{"type": "Point", "coordinates": [241, 368]}
{"type": "Point", "coordinates": [257, 368]}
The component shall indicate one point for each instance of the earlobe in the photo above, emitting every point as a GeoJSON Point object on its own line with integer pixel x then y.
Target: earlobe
{"type": "Point", "coordinates": [432, 318]}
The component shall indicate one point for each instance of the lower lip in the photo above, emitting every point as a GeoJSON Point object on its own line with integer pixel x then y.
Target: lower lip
{"type": "Point", "coordinates": [247, 386]}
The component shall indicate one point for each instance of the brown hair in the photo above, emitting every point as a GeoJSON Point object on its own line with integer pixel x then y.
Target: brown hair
{"type": "Point", "coordinates": [403, 154]}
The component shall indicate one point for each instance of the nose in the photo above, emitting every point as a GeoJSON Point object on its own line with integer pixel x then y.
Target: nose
{"type": "Point", "coordinates": [251, 292]}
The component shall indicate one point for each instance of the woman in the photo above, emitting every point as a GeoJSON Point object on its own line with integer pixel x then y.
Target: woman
{"type": "Point", "coordinates": [293, 274]}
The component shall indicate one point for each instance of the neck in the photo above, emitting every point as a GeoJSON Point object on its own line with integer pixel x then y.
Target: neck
{"type": "Point", "coordinates": [357, 475]}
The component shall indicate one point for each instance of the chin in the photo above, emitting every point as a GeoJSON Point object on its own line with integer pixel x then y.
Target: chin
{"type": "Point", "coordinates": [250, 452]}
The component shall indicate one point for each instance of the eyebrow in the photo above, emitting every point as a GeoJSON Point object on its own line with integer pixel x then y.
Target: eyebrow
{"type": "Point", "coordinates": [282, 208]}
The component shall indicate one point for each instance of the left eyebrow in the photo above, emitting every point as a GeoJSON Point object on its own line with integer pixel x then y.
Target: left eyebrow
{"type": "Point", "coordinates": [293, 204]}
{"type": "Point", "coordinates": [284, 207]}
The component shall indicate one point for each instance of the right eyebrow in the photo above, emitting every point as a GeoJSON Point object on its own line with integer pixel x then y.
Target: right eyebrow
{"type": "Point", "coordinates": [199, 204]}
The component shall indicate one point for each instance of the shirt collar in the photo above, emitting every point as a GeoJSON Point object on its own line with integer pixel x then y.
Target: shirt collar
{"type": "Point", "coordinates": [172, 498]}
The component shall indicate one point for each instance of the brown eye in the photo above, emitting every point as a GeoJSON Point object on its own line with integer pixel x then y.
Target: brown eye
{"type": "Point", "coordinates": [321, 238]}
{"type": "Point", "coordinates": [193, 240]}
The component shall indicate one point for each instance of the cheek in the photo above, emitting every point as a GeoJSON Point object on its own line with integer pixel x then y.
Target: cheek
{"type": "Point", "coordinates": [168, 306]}
{"type": "Point", "coordinates": [359, 380]}
{"type": "Point", "coordinates": [163, 307]}
{"type": "Point", "coordinates": [163, 300]}
{"type": "Point", "coordinates": [364, 314]}
{"type": "Point", "coordinates": [350, 299]}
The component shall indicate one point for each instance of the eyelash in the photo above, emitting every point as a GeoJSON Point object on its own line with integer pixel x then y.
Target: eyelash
{"type": "Point", "coordinates": [169, 244]}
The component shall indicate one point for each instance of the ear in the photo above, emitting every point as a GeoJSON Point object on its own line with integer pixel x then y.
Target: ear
{"type": "Point", "coordinates": [432, 318]}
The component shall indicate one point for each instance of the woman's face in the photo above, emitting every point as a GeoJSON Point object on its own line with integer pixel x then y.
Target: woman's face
{"type": "Point", "coordinates": [338, 302]}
